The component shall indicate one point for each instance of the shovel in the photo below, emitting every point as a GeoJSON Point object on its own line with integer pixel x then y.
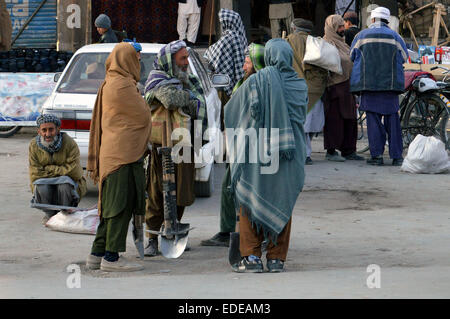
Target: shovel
{"type": "Point", "coordinates": [173, 234]}
{"type": "Point", "coordinates": [69, 209]}
{"type": "Point", "coordinates": [234, 254]}
{"type": "Point", "coordinates": [138, 234]}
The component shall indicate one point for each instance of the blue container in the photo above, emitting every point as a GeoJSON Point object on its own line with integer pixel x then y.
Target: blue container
{"type": "Point", "coordinates": [41, 31]}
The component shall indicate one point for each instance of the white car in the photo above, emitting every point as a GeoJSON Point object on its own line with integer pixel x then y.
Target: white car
{"type": "Point", "coordinates": [74, 95]}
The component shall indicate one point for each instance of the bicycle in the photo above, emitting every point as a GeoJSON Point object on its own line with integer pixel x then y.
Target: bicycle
{"type": "Point", "coordinates": [421, 112]}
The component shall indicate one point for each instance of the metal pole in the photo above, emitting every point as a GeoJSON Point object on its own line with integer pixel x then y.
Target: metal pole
{"type": "Point", "coordinates": [211, 21]}
{"type": "Point", "coordinates": [348, 7]}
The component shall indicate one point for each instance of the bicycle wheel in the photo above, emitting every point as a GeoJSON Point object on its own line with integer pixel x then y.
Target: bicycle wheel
{"type": "Point", "coordinates": [362, 129]}
{"type": "Point", "coordinates": [426, 115]}
{"type": "Point", "coordinates": [361, 120]}
{"type": "Point", "coordinates": [7, 131]}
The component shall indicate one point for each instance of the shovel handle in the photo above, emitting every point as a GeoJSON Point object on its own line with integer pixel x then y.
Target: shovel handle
{"type": "Point", "coordinates": [168, 129]}
{"type": "Point", "coordinates": [164, 134]}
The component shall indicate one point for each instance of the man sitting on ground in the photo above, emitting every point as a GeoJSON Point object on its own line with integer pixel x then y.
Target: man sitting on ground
{"type": "Point", "coordinates": [56, 174]}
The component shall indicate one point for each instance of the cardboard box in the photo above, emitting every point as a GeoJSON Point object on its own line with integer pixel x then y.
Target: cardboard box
{"type": "Point", "coordinates": [427, 54]}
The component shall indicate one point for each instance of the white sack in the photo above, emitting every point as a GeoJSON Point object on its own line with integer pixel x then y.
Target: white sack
{"type": "Point", "coordinates": [426, 155]}
{"type": "Point", "coordinates": [322, 54]}
{"type": "Point", "coordinates": [80, 222]}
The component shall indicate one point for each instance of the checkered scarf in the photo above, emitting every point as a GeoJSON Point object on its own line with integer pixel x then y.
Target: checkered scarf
{"type": "Point", "coordinates": [53, 147]}
{"type": "Point", "coordinates": [227, 55]}
{"type": "Point", "coordinates": [163, 74]}
{"type": "Point", "coordinates": [48, 118]}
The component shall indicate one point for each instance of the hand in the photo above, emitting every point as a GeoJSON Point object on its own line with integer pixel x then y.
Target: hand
{"type": "Point", "coordinates": [191, 108]}
{"type": "Point", "coordinates": [191, 95]}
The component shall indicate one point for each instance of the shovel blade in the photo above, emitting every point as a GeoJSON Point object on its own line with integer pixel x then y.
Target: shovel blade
{"type": "Point", "coordinates": [174, 247]}
{"type": "Point", "coordinates": [55, 207]}
{"type": "Point", "coordinates": [138, 234]}
{"type": "Point", "coordinates": [234, 254]}
{"type": "Point", "coordinates": [140, 248]}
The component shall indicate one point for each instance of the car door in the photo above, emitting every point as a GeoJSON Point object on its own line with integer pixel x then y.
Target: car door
{"type": "Point", "coordinates": [213, 103]}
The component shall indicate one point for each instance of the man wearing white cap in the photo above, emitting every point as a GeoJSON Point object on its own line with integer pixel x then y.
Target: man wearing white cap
{"type": "Point", "coordinates": [378, 54]}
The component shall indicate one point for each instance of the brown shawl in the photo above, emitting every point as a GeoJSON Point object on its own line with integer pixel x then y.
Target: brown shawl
{"type": "Point", "coordinates": [332, 23]}
{"type": "Point", "coordinates": [120, 126]}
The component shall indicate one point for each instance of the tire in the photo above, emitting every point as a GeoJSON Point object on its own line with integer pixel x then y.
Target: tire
{"type": "Point", "coordinates": [361, 120]}
{"type": "Point", "coordinates": [7, 131]}
{"type": "Point", "coordinates": [205, 189]}
{"type": "Point", "coordinates": [426, 115]}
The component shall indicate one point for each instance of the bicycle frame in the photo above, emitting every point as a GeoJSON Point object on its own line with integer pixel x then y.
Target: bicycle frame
{"type": "Point", "coordinates": [405, 103]}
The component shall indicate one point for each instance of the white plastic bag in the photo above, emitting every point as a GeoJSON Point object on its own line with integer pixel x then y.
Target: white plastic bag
{"type": "Point", "coordinates": [323, 54]}
{"type": "Point", "coordinates": [80, 222]}
{"type": "Point", "coordinates": [426, 155]}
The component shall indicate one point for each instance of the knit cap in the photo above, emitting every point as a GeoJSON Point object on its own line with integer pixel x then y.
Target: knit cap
{"type": "Point", "coordinates": [103, 21]}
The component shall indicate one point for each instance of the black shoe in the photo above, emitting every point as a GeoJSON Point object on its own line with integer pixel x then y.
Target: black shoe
{"type": "Point", "coordinates": [397, 162]}
{"type": "Point", "coordinates": [308, 161]}
{"type": "Point", "coordinates": [219, 239]}
{"type": "Point", "coordinates": [249, 264]}
{"type": "Point", "coordinates": [378, 161]}
{"type": "Point", "coordinates": [275, 265]}
{"type": "Point", "coordinates": [355, 157]}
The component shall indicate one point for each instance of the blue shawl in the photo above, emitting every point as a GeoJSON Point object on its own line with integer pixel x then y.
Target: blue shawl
{"type": "Point", "coordinates": [273, 98]}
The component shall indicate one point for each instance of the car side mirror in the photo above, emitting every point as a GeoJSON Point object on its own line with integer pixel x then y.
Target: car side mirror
{"type": "Point", "coordinates": [57, 76]}
{"type": "Point", "coordinates": [220, 80]}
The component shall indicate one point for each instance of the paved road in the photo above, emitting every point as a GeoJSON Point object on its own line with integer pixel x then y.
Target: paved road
{"type": "Point", "coordinates": [348, 217]}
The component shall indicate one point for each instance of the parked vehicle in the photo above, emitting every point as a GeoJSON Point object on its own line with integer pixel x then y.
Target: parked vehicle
{"type": "Point", "coordinates": [74, 95]}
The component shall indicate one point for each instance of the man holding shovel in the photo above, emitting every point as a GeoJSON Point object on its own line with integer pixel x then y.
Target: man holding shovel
{"type": "Point", "coordinates": [170, 86]}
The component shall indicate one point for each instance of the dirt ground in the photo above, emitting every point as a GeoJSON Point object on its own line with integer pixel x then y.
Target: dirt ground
{"type": "Point", "coordinates": [349, 216]}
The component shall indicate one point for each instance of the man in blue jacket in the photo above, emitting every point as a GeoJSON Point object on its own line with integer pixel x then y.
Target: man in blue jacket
{"type": "Point", "coordinates": [378, 54]}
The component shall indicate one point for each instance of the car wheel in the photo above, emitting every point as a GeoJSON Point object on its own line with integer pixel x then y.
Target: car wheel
{"type": "Point", "coordinates": [7, 131]}
{"type": "Point", "coordinates": [205, 189]}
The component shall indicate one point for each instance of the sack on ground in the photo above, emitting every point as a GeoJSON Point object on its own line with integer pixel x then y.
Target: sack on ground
{"type": "Point", "coordinates": [323, 54]}
{"type": "Point", "coordinates": [79, 222]}
{"type": "Point", "coordinates": [426, 155]}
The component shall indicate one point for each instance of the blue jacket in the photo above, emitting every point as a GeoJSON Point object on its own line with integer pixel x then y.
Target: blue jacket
{"type": "Point", "coordinates": [378, 54]}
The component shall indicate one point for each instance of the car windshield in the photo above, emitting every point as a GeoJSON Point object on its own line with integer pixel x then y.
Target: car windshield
{"type": "Point", "coordinates": [87, 72]}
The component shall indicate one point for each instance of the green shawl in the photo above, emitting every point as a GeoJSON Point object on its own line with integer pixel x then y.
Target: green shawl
{"type": "Point", "coordinates": [272, 98]}
{"type": "Point", "coordinates": [256, 54]}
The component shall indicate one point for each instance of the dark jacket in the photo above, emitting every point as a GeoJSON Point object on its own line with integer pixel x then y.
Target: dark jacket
{"type": "Point", "coordinates": [350, 34]}
{"type": "Point", "coordinates": [378, 54]}
{"type": "Point", "coordinates": [199, 2]}
{"type": "Point", "coordinates": [108, 37]}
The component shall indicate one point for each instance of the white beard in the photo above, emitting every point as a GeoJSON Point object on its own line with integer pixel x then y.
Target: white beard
{"type": "Point", "coordinates": [181, 75]}
{"type": "Point", "coordinates": [48, 144]}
